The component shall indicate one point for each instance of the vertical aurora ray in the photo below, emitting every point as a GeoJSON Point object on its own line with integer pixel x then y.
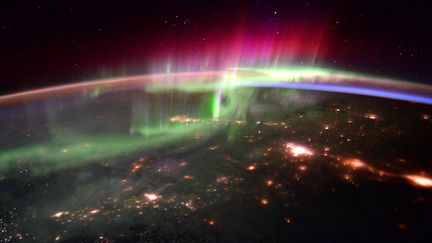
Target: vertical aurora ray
{"type": "Point", "coordinates": [216, 104]}
{"type": "Point", "coordinates": [224, 96]}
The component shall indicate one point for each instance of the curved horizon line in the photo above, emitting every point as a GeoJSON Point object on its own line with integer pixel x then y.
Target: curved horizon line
{"type": "Point", "coordinates": [303, 78]}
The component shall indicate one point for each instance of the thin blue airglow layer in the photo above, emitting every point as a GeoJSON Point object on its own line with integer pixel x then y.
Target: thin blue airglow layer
{"type": "Point", "coordinates": [346, 89]}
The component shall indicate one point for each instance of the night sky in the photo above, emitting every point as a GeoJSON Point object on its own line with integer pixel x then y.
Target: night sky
{"type": "Point", "coordinates": [45, 43]}
{"type": "Point", "coordinates": [215, 153]}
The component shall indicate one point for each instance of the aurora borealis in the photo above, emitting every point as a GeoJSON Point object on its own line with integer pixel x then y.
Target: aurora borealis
{"type": "Point", "coordinates": [215, 121]}
{"type": "Point", "coordinates": [189, 156]}
{"type": "Point", "coordinates": [223, 83]}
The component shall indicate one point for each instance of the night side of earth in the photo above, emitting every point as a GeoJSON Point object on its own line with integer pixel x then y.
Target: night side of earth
{"type": "Point", "coordinates": [299, 154]}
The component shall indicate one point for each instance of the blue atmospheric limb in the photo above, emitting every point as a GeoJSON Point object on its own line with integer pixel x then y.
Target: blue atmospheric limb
{"type": "Point", "coordinates": [346, 89]}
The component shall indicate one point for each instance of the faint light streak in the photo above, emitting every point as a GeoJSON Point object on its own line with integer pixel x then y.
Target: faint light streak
{"type": "Point", "coordinates": [136, 167]}
{"type": "Point", "coordinates": [94, 211]}
{"type": "Point", "coordinates": [188, 177]}
{"type": "Point", "coordinates": [355, 163]}
{"type": "Point", "coordinates": [183, 119]}
{"type": "Point", "coordinates": [371, 116]}
{"type": "Point", "coordinates": [213, 147]}
{"type": "Point", "coordinates": [251, 167]}
{"type": "Point", "coordinates": [59, 214]}
{"type": "Point", "coordinates": [419, 180]}
{"type": "Point", "coordinates": [297, 150]}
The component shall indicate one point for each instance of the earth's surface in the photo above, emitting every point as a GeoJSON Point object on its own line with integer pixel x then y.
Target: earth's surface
{"type": "Point", "coordinates": [239, 165]}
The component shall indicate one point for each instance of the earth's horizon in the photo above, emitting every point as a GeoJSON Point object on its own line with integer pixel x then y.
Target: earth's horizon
{"type": "Point", "coordinates": [261, 154]}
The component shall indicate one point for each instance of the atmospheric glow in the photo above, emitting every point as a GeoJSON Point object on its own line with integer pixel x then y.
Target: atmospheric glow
{"type": "Point", "coordinates": [292, 77]}
{"type": "Point", "coordinates": [209, 129]}
{"type": "Point", "coordinates": [349, 90]}
{"type": "Point", "coordinates": [220, 84]}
